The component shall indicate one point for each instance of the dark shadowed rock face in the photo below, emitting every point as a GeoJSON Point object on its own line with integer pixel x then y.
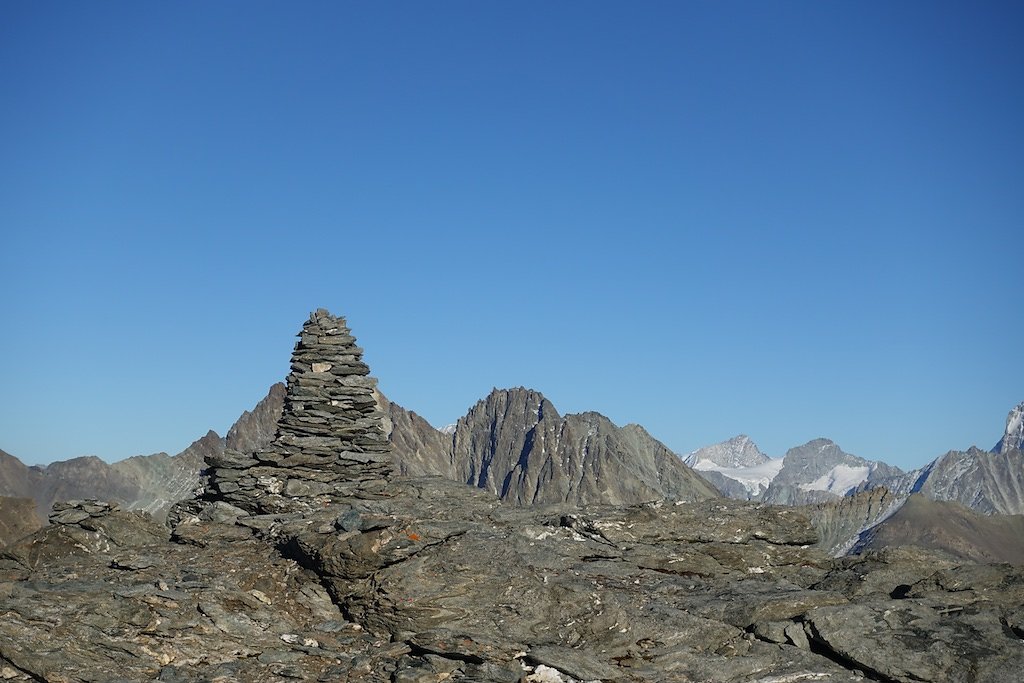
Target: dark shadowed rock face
{"type": "Point", "coordinates": [516, 445]}
{"type": "Point", "coordinates": [16, 478]}
{"type": "Point", "coordinates": [256, 428]}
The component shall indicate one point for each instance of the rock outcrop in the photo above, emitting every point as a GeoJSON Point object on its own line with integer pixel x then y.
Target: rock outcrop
{"type": "Point", "coordinates": [330, 441]}
{"type": "Point", "coordinates": [440, 581]}
{"type": "Point", "coordinates": [381, 578]}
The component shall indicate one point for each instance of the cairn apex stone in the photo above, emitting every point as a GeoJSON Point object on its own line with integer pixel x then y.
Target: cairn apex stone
{"type": "Point", "coordinates": [330, 442]}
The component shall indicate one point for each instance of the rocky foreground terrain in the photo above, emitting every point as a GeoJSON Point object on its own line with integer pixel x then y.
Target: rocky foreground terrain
{"type": "Point", "coordinates": [441, 582]}
{"type": "Point", "coordinates": [300, 565]}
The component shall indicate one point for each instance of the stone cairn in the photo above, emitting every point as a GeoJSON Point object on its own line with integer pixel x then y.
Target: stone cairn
{"type": "Point", "coordinates": [330, 442]}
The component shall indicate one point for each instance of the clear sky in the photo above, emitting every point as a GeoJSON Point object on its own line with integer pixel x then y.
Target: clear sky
{"type": "Point", "coordinates": [789, 220]}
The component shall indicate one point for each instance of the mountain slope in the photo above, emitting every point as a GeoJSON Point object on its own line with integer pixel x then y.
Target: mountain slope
{"type": "Point", "coordinates": [161, 480]}
{"type": "Point", "coordinates": [739, 451]}
{"type": "Point", "coordinates": [951, 528]}
{"type": "Point", "coordinates": [820, 470]}
{"type": "Point", "coordinates": [1013, 435]}
{"type": "Point", "coordinates": [841, 522]}
{"type": "Point", "coordinates": [256, 428]}
{"type": "Point", "coordinates": [516, 445]}
{"type": "Point", "coordinates": [991, 483]}
{"type": "Point", "coordinates": [419, 449]}
{"type": "Point", "coordinates": [18, 518]}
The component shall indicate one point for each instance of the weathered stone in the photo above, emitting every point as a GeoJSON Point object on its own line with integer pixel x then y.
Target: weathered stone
{"type": "Point", "coordinates": [311, 561]}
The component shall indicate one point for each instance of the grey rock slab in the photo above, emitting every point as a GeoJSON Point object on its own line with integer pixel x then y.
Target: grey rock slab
{"type": "Point", "coordinates": [579, 664]}
{"type": "Point", "coordinates": [908, 641]}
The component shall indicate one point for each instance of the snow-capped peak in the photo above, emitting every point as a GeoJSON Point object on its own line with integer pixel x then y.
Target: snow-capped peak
{"type": "Point", "coordinates": [739, 451]}
{"type": "Point", "coordinates": [1013, 435]}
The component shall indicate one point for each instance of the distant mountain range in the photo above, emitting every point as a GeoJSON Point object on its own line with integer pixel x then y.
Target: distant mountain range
{"type": "Point", "coordinates": [815, 472]}
{"type": "Point", "coordinates": [516, 445]}
{"type": "Point", "coordinates": [819, 472]}
{"type": "Point", "coordinates": [143, 482]}
{"type": "Point", "coordinates": [513, 443]}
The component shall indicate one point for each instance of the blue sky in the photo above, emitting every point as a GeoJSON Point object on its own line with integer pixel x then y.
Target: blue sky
{"type": "Point", "coordinates": [784, 219]}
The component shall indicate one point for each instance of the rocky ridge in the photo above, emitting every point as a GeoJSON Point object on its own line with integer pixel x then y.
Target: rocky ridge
{"type": "Point", "coordinates": [426, 579]}
{"type": "Point", "coordinates": [739, 451]}
{"type": "Point", "coordinates": [736, 468]}
{"type": "Point", "coordinates": [1013, 435]}
{"type": "Point", "coordinates": [991, 483]}
{"type": "Point", "coordinates": [850, 495]}
{"type": "Point", "coordinates": [145, 482]}
{"type": "Point", "coordinates": [820, 470]}
{"type": "Point", "coordinates": [515, 444]}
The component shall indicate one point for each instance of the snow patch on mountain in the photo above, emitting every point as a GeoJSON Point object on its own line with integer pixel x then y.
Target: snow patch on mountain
{"type": "Point", "coordinates": [1013, 436]}
{"type": "Point", "coordinates": [754, 479]}
{"type": "Point", "coordinates": [738, 451]}
{"type": "Point", "coordinates": [839, 480]}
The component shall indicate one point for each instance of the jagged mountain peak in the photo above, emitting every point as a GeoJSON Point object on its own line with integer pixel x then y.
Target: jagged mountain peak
{"type": "Point", "coordinates": [820, 470]}
{"type": "Point", "coordinates": [822, 444]}
{"type": "Point", "coordinates": [1013, 435]}
{"type": "Point", "coordinates": [515, 444]}
{"type": "Point", "coordinates": [517, 403]}
{"type": "Point", "coordinates": [989, 482]}
{"type": "Point", "coordinates": [739, 451]}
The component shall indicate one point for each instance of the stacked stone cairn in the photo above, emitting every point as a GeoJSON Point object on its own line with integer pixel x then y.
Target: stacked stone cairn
{"type": "Point", "coordinates": [330, 443]}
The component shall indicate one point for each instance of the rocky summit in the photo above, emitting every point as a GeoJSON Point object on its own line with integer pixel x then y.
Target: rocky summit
{"type": "Point", "coordinates": [322, 564]}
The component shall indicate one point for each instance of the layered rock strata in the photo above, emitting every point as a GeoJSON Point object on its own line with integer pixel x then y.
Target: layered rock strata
{"type": "Point", "coordinates": [443, 582]}
{"type": "Point", "coordinates": [330, 442]}
{"type": "Point", "coordinates": [298, 570]}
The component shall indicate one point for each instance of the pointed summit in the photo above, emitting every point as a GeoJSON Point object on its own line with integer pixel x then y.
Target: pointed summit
{"type": "Point", "coordinates": [739, 451]}
{"type": "Point", "coordinates": [1013, 435]}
